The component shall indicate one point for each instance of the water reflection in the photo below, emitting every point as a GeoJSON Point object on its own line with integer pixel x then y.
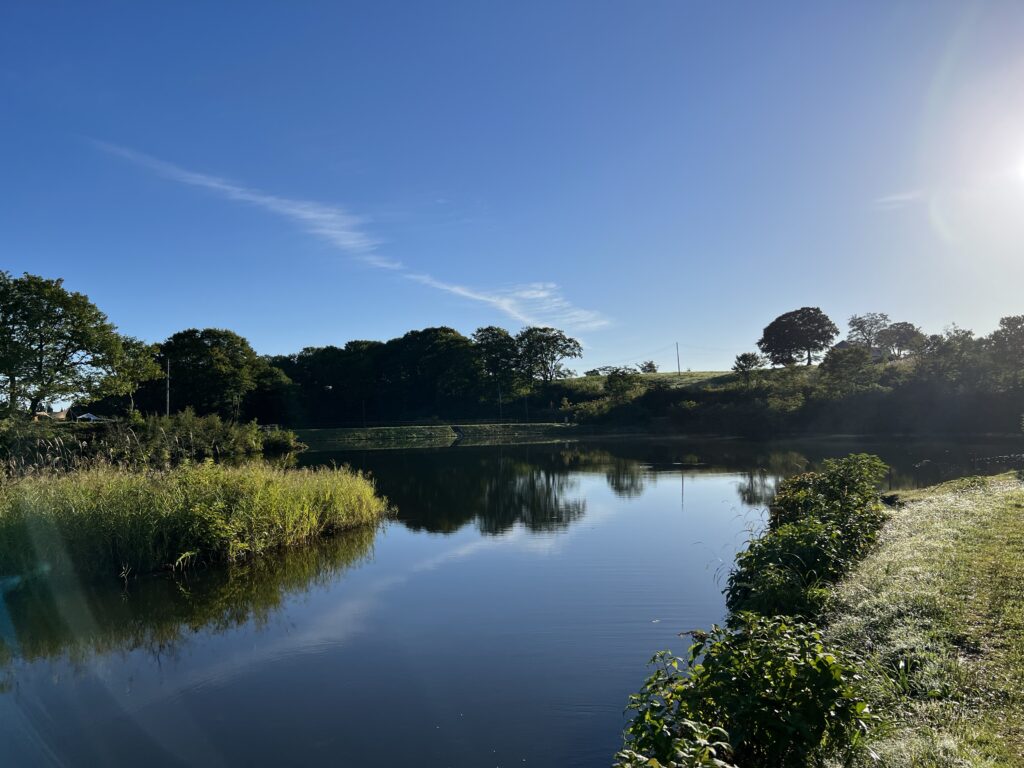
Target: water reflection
{"type": "Point", "coordinates": [46, 619]}
{"type": "Point", "coordinates": [440, 492]}
{"type": "Point", "coordinates": [497, 488]}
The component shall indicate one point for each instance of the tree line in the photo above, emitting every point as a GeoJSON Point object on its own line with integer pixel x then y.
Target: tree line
{"type": "Point", "coordinates": [57, 346]}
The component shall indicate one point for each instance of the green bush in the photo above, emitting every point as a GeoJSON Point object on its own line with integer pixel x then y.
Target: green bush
{"type": "Point", "coordinates": [785, 571]}
{"type": "Point", "coordinates": [278, 442]}
{"type": "Point", "coordinates": [821, 523]}
{"type": "Point", "coordinates": [843, 493]}
{"type": "Point", "coordinates": [108, 520]}
{"type": "Point", "coordinates": [766, 692]}
{"type": "Point", "coordinates": [768, 680]}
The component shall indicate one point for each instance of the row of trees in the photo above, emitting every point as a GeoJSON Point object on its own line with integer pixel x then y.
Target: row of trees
{"type": "Point", "coordinates": [804, 334]}
{"type": "Point", "coordinates": [57, 346]}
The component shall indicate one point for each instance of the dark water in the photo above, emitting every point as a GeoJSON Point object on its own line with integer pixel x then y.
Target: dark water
{"type": "Point", "coordinates": [501, 620]}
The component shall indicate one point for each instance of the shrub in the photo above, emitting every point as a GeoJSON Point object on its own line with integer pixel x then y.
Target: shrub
{"type": "Point", "coordinates": [784, 571]}
{"type": "Point", "coordinates": [771, 684]}
{"type": "Point", "coordinates": [278, 442]}
{"type": "Point", "coordinates": [821, 523]}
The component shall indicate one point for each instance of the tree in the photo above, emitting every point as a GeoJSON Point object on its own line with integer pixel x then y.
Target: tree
{"type": "Point", "coordinates": [950, 359]}
{"type": "Point", "coordinates": [1007, 346]}
{"type": "Point", "coordinates": [648, 366]}
{"type": "Point", "coordinates": [620, 382]}
{"type": "Point", "coordinates": [55, 344]}
{"type": "Point", "coordinates": [212, 371]}
{"type": "Point", "coordinates": [848, 369]}
{"type": "Point", "coordinates": [499, 356]}
{"type": "Point", "coordinates": [541, 351]}
{"type": "Point", "coordinates": [746, 363]}
{"type": "Point", "coordinates": [864, 329]}
{"type": "Point", "coordinates": [134, 364]}
{"type": "Point", "coordinates": [802, 333]}
{"type": "Point", "coordinates": [900, 339]}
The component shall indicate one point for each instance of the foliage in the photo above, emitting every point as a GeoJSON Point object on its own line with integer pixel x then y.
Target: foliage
{"type": "Point", "coordinates": [620, 382]}
{"type": "Point", "coordinates": [848, 369]}
{"type": "Point", "coordinates": [153, 441]}
{"type": "Point", "coordinates": [648, 366]}
{"type": "Point", "coordinates": [541, 352]}
{"type": "Point", "coordinates": [134, 364]}
{"type": "Point", "coordinates": [771, 683]}
{"type": "Point", "coordinates": [864, 329]}
{"type": "Point", "coordinates": [54, 344]}
{"type": "Point", "coordinates": [212, 372]}
{"type": "Point", "coordinates": [900, 339]}
{"type": "Point", "coordinates": [746, 363]}
{"type": "Point", "coordinates": [820, 524]}
{"type": "Point", "coordinates": [111, 521]}
{"type": "Point", "coordinates": [803, 333]}
{"type": "Point", "coordinates": [499, 357]}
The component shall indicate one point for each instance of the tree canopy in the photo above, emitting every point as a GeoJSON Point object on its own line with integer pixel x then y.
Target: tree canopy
{"type": "Point", "coordinates": [542, 350]}
{"type": "Point", "coordinates": [55, 344]}
{"type": "Point", "coordinates": [802, 333]}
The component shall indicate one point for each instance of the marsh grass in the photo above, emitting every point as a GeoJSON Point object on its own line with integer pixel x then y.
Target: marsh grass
{"type": "Point", "coordinates": [108, 520]}
{"type": "Point", "coordinates": [937, 609]}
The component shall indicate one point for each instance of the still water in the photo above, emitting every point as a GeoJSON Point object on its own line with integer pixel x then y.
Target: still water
{"type": "Point", "coordinates": [502, 619]}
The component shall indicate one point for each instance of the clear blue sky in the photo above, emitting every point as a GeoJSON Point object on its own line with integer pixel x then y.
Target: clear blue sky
{"type": "Point", "coordinates": [635, 172]}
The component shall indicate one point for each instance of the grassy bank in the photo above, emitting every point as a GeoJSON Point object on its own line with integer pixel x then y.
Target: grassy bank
{"type": "Point", "coordinates": [938, 611]}
{"type": "Point", "coordinates": [111, 521]}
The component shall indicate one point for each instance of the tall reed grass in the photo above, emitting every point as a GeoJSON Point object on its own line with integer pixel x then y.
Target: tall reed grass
{"type": "Point", "coordinates": [116, 521]}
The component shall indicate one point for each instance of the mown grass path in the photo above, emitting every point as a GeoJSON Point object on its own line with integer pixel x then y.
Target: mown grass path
{"type": "Point", "coordinates": [937, 611]}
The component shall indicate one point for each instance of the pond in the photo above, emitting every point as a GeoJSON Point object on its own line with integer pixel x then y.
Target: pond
{"type": "Point", "coordinates": [502, 619]}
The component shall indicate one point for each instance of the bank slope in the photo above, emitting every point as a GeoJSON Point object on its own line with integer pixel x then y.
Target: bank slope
{"type": "Point", "coordinates": [937, 609]}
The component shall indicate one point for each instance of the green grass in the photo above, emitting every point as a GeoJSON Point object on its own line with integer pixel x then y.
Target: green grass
{"type": "Point", "coordinates": [110, 521]}
{"type": "Point", "coordinates": [937, 610]}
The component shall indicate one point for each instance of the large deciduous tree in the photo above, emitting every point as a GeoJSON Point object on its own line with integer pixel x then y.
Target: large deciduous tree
{"type": "Point", "coordinates": [802, 333]}
{"type": "Point", "coordinates": [55, 344]}
{"type": "Point", "coordinates": [212, 370]}
{"type": "Point", "coordinates": [134, 364]}
{"type": "Point", "coordinates": [864, 329]}
{"type": "Point", "coordinates": [542, 350]}
{"type": "Point", "coordinates": [499, 356]}
{"type": "Point", "coordinates": [900, 339]}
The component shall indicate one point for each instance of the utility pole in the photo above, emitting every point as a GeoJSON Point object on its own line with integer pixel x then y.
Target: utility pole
{"type": "Point", "coordinates": [168, 386]}
{"type": "Point", "coordinates": [679, 370]}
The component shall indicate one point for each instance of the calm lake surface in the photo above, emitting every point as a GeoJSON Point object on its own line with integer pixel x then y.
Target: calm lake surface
{"type": "Point", "coordinates": [502, 619]}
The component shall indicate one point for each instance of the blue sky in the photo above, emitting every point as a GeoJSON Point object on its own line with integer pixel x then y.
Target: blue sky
{"type": "Point", "coordinates": [636, 173]}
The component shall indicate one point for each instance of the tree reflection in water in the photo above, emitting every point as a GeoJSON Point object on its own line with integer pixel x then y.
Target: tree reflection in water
{"type": "Point", "coordinates": [47, 619]}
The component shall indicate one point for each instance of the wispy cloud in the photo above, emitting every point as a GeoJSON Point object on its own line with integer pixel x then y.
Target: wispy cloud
{"type": "Point", "coordinates": [531, 304]}
{"type": "Point", "coordinates": [901, 199]}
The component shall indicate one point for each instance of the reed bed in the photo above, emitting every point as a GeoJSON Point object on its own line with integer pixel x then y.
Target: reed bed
{"type": "Point", "coordinates": [109, 520]}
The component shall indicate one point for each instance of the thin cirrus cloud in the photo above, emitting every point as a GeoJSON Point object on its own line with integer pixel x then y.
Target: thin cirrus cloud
{"type": "Point", "coordinates": [538, 303]}
{"type": "Point", "coordinates": [901, 199]}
